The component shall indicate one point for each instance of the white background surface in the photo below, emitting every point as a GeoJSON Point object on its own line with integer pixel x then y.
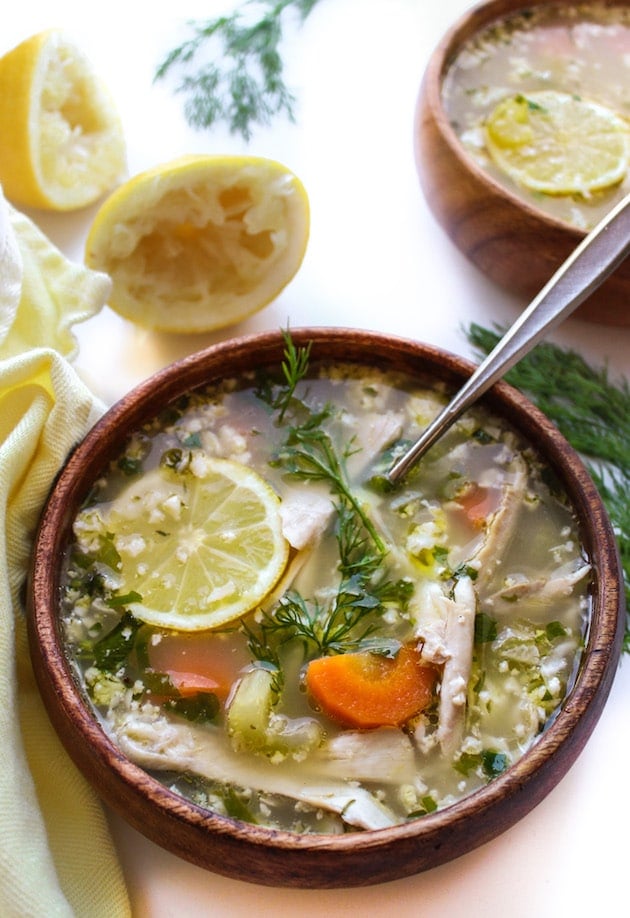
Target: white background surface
{"type": "Point", "coordinates": [376, 259]}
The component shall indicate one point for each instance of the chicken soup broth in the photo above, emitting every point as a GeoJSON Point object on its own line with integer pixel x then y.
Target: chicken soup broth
{"type": "Point", "coordinates": [581, 50]}
{"type": "Point", "coordinates": [411, 644]}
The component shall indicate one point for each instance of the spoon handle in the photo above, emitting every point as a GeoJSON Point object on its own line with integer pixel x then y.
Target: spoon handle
{"type": "Point", "coordinates": [588, 266]}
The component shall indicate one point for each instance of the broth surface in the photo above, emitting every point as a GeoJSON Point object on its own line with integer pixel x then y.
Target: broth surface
{"type": "Point", "coordinates": [470, 574]}
{"type": "Point", "coordinates": [581, 49]}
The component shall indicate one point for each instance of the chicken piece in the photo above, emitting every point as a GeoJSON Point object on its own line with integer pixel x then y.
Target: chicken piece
{"type": "Point", "coordinates": [305, 512]}
{"type": "Point", "coordinates": [376, 433]}
{"type": "Point", "coordinates": [501, 526]}
{"type": "Point", "coordinates": [384, 755]}
{"type": "Point", "coordinates": [155, 742]}
{"type": "Point", "coordinates": [543, 589]}
{"type": "Point", "coordinates": [429, 608]}
{"type": "Point", "coordinates": [459, 639]}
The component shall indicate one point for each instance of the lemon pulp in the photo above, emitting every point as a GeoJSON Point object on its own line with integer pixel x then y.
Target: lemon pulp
{"type": "Point", "coordinates": [61, 140]}
{"type": "Point", "coordinates": [202, 242]}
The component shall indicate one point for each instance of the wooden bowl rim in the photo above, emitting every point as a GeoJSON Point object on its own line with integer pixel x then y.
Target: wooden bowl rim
{"type": "Point", "coordinates": [553, 753]}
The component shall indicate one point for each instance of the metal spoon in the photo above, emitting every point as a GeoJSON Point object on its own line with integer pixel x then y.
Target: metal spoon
{"type": "Point", "coordinates": [597, 256]}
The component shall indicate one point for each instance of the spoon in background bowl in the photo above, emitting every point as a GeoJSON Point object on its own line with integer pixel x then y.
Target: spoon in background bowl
{"type": "Point", "coordinates": [597, 256]}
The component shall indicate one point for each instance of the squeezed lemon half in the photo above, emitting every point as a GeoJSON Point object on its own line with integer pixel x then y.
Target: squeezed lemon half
{"type": "Point", "coordinates": [61, 140]}
{"type": "Point", "coordinates": [198, 549]}
{"type": "Point", "coordinates": [202, 242]}
{"type": "Point", "coordinates": [556, 143]}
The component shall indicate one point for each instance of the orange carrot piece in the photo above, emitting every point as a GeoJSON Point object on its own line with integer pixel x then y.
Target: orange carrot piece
{"type": "Point", "coordinates": [190, 684]}
{"type": "Point", "coordinates": [477, 504]}
{"type": "Point", "coordinates": [200, 662]}
{"type": "Point", "coordinates": [367, 690]}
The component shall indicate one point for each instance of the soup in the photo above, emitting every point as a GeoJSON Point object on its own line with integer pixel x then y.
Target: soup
{"type": "Point", "coordinates": [581, 51]}
{"type": "Point", "coordinates": [409, 643]}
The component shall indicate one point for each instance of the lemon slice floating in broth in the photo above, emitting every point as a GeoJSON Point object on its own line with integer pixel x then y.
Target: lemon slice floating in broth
{"type": "Point", "coordinates": [197, 550]}
{"type": "Point", "coordinates": [558, 144]}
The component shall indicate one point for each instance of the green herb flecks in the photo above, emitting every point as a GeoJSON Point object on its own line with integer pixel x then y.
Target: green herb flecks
{"type": "Point", "coordinates": [112, 651]}
{"type": "Point", "coordinates": [592, 412]}
{"type": "Point", "coordinates": [232, 68]}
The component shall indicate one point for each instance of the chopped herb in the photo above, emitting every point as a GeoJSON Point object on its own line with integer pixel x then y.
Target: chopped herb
{"type": "Point", "coordinates": [107, 553]}
{"type": "Point", "coordinates": [236, 808]}
{"type": "Point", "coordinates": [494, 763]}
{"type": "Point", "coordinates": [111, 652]}
{"type": "Point", "coordinates": [482, 436]}
{"type": "Point", "coordinates": [485, 628]}
{"type": "Point", "coordinates": [192, 441]}
{"type": "Point", "coordinates": [129, 466]}
{"type": "Point", "coordinates": [491, 763]}
{"type": "Point", "coordinates": [555, 630]}
{"type": "Point", "coordinates": [429, 805]}
{"type": "Point", "coordinates": [116, 602]}
{"type": "Point", "coordinates": [202, 708]}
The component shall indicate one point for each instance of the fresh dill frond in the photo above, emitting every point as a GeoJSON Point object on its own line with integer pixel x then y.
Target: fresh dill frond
{"type": "Point", "coordinates": [592, 412]}
{"type": "Point", "coordinates": [294, 368]}
{"type": "Point", "coordinates": [347, 621]}
{"type": "Point", "coordinates": [231, 69]}
{"type": "Point", "coordinates": [309, 454]}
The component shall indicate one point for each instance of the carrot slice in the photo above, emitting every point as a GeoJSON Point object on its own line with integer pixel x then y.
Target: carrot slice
{"type": "Point", "coordinates": [368, 690]}
{"type": "Point", "coordinates": [199, 663]}
{"type": "Point", "coordinates": [477, 503]}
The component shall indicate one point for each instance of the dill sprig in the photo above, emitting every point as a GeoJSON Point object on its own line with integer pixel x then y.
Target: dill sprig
{"type": "Point", "coordinates": [294, 368]}
{"type": "Point", "coordinates": [365, 590]}
{"type": "Point", "coordinates": [309, 454]}
{"type": "Point", "coordinates": [592, 412]}
{"type": "Point", "coordinates": [239, 76]}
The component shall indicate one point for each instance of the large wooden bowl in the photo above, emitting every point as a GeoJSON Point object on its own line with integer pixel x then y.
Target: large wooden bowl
{"type": "Point", "coordinates": [260, 855]}
{"type": "Point", "coordinates": [513, 243]}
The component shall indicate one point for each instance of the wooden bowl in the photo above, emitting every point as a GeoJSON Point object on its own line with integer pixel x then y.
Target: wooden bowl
{"type": "Point", "coordinates": [276, 858]}
{"type": "Point", "coordinates": [511, 241]}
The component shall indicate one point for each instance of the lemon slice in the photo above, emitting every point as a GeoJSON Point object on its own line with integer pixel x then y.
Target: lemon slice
{"type": "Point", "coordinates": [61, 141]}
{"type": "Point", "coordinates": [199, 549]}
{"type": "Point", "coordinates": [556, 143]}
{"type": "Point", "coordinates": [202, 242]}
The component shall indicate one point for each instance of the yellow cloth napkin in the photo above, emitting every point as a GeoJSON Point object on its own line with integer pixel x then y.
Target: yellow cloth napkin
{"type": "Point", "coordinates": [56, 854]}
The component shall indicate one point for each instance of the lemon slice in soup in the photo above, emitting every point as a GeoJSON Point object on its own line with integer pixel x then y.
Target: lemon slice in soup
{"type": "Point", "coordinates": [556, 143]}
{"type": "Point", "coordinates": [197, 549]}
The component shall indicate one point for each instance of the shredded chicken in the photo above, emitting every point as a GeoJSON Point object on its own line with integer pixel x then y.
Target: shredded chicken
{"type": "Point", "coordinates": [384, 755]}
{"type": "Point", "coordinates": [445, 630]}
{"type": "Point", "coordinates": [152, 741]}
{"type": "Point", "coordinates": [501, 526]}
{"type": "Point", "coordinates": [460, 633]}
{"type": "Point", "coordinates": [305, 512]}
{"type": "Point", "coordinates": [375, 433]}
{"type": "Point", "coordinates": [543, 589]}
{"type": "Point", "coordinates": [429, 608]}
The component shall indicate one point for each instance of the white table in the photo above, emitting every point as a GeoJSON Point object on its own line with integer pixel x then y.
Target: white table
{"type": "Point", "coordinates": [376, 259]}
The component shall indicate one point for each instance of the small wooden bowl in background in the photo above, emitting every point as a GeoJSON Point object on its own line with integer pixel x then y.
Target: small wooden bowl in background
{"type": "Point", "coordinates": [276, 858]}
{"type": "Point", "coordinates": [510, 241]}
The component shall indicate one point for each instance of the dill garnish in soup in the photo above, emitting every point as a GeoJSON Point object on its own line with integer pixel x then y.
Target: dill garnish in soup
{"type": "Point", "coordinates": [264, 625]}
{"type": "Point", "coordinates": [541, 101]}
